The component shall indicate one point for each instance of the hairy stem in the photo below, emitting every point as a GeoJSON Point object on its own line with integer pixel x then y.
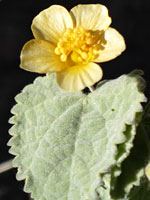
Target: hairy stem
{"type": "Point", "coordinates": [91, 88]}
{"type": "Point", "coordinates": [5, 166]}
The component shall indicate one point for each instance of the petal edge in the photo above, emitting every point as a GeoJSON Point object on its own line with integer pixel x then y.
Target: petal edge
{"type": "Point", "coordinates": [78, 77]}
{"type": "Point", "coordinates": [91, 16]}
{"type": "Point", "coordinates": [50, 23]}
{"type": "Point", "coordinates": [115, 45]}
{"type": "Point", "coordinates": [38, 56]}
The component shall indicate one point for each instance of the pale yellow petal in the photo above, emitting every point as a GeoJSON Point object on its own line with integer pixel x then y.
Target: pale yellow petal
{"type": "Point", "coordinates": [114, 46]}
{"type": "Point", "coordinates": [38, 56]}
{"type": "Point", "coordinates": [91, 16]}
{"type": "Point", "coordinates": [78, 77]}
{"type": "Point", "coordinates": [51, 23]}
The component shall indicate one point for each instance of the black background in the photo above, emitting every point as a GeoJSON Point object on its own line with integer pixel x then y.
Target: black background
{"type": "Point", "coordinates": [130, 17]}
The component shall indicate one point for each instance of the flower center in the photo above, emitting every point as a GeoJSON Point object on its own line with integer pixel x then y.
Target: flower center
{"type": "Point", "coordinates": [80, 45]}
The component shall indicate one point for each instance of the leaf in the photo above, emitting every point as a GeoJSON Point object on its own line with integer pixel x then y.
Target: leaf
{"type": "Point", "coordinates": [110, 179]}
{"type": "Point", "coordinates": [133, 167]}
{"type": "Point", "coordinates": [141, 192]}
{"type": "Point", "coordinates": [131, 181]}
{"type": "Point", "coordinates": [65, 142]}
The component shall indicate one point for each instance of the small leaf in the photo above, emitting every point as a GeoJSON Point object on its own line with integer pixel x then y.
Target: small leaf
{"type": "Point", "coordinates": [65, 142]}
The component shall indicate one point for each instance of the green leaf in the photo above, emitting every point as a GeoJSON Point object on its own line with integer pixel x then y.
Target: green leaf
{"type": "Point", "coordinates": [110, 179]}
{"type": "Point", "coordinates": [133, 167]}
{"type": "Point", "coordinates": [141, 192]}
{"type": "Point", "coordinates": [131, 181]}
{"type": "Point", "coordinates": [65, 142]}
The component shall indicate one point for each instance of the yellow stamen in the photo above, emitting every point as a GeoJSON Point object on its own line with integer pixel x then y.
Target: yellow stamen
{"type": "Point", "coordinates": [84, 55]}
{"type": "Point", "coordinates": [63, 57]}
{"type": "Point", "coordinates": [79, 44]}
{"type": "Point", "coordinates": [57, 51]}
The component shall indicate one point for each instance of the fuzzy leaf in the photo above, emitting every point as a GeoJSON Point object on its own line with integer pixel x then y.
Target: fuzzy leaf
{"type": "Point", "coordinates": [130, 181]}
{"type": "Point", "coordinates": [133, 167]}
{"type": "Point", "coordinates": [64, 142]}
{"type": "Point", "coordinates": [141, 192]}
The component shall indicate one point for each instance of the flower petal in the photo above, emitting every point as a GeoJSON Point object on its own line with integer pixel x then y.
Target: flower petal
{"type": "Point", "coordinates": [115, 45]}
{"type": "Point", "coordinates": [78, 77]}
{"type": "Point", "coordinates": [91, 16]}
{"type": "Point", "coordinates": [38, 56]}
{"type": "Point", "coordinates": [51, 23]}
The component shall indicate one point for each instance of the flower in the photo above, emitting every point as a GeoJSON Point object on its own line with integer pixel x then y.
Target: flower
{"type": "Point", "coordinates": [71, 43]}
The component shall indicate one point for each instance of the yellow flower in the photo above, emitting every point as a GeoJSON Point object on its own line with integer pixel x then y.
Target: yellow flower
{"type": "Point", "coordinates": [69, 43]}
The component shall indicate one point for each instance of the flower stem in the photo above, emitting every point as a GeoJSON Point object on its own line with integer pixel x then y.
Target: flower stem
{"type": "Point", "coordinates": [91, 88]}
{"type": "Point", "coordinates": [7, 165]}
